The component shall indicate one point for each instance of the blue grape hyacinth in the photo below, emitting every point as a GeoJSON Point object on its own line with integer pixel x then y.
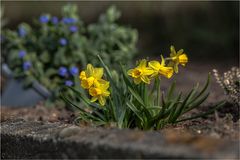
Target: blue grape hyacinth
{"type": "Point", "coordinates": [69, 83]}
{"type": "Point", "coordinates": [62, 71]}
{"type": "Point", "coordinates": [21, 53]}
{"type": "Point", "coordinates": [73, 28]}
{"type": "Point", "coordinates": [22, 31]}
{"type": "Point", "coordinates": [44, 19]}
{"type": "Point", "coordinates": [69, 20]}
{"type": "Point", "coordinates": [54, 20]}
{"type": "Point", "coordinates": [63, 41]}
{"type": "Point", "coordinates": [27, 65]}
{"type": "Point", "coordinates": [74, 70]}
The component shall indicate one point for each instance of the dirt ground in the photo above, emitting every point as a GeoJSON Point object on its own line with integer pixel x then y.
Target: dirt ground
{"type": "Point", "coordinates": [219, 125]}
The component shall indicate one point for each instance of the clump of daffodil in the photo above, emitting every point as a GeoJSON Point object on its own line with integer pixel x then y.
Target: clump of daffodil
{"type": "Point", "coordinates": [91, 79]}
{"type": "Point", "coordinates": [160, 68]}
{"type": "Point", "coordinates": [141, 73]}
{"type": "Point", "coordinates": [134, 103]}
{"type": "Point", "coordinates": [177, 58]}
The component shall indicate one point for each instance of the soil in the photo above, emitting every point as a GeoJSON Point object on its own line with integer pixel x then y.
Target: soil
{"type": "Point", "coordinates": [38, 113]}
{"type": "Point", "coordinates": [218, 125]}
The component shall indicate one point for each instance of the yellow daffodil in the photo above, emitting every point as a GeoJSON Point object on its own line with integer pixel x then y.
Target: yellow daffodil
{"type": "Point", "coordinates": [90, 75]}
{"type": "Point", "coordinates": [86, 83]}
{"type": "Point", "coordinates": [160, 68]}
{"type": "Point", "coordinates": [177, 58]}
{"type": "Point", "coordinates": [99, 92]}
{"type": "Point", "coordinates": [141, 73]}
{"type": "Point", "coordinates": [82, 75]}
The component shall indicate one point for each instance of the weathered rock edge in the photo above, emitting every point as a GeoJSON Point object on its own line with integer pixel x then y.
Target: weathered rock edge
{"type": "Point", "coordinates": [23, 139]}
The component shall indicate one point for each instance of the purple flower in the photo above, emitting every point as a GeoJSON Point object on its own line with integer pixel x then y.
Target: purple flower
{"type": "Point", "coordinates": [63, 41]}
{"type": "Point", "coordinates": [22, 31]}
{"type": "Point", "coordinates": [73, 28]}
{"type": "Point", "coordinates": [68, 83]}
{"type": "Point", "coordinates": [44, 19]}
{"type": "Point", "coordinates": [54, 20]}
{"type": "Point", "coordinates": [27, 65]}
{"type": "Point", "coordinates": [62, 71]}
{"type": "Point", "coordinates": [21, 53]}
{"type": "Point", "coordinates": [69, 20]}
{"type": "Point", "coordinates": [74, 70]}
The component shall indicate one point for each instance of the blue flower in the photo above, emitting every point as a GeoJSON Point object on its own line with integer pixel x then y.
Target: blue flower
{"type": "Point", "coordinates": [21, 53]}
{"type": "Point", "coordinates": [44, 19]}
{"type": "Point", "coordinates": [54, 20]}
{"type": "Point", "coordinates": [73, 28]}
{"type": "Point", "coordinates": [69, 20]}
{"type": "Point", "coordinates": [22, 31]}
{"type": "Point", "coordinates": [62, 71]}
{"type": "Point", "coordinates": [74, 70]}
{"type": "Point", "coordinates": [27, 65]}
{"type": "Point", "coordinates": [68, 83]}
{"type": "Point", "coordinates": [63, 41]}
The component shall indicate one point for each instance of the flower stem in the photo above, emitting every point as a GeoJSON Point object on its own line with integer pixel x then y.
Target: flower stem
{"type": "Point", "coordinates": [158, 81]}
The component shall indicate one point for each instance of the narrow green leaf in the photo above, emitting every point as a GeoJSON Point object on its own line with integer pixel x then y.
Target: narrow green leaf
{"type": "Point", "coordinates": [136, 96]}
{"type": "Point", "coordinates": [121, 118]}
{"type": "Point", "coordinates": [181, 108]}
{"type": "Point", "coordinates": [203, 90]}
{"type": "Point", "coordinates": [220, 104]}
{"type": "Point", "coordinates": [196, 103]}
{"type": "Point", "coordinates": [134, 109]}
{"type": "Point", "coordinates": [171, 90]}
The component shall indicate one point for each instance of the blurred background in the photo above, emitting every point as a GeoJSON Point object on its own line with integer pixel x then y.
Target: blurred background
{"type": "Point", "coordinates": [206, 30]}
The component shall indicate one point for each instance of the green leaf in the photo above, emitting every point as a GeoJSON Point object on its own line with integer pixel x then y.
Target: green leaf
{"type": "Point", "coordinates": [181, 108]}
{"type": "Point", "coordinates": [218, 105]}
{"type": "Point", "coordinates": [136, 96]}
{"type": "Point", "coordinates": [203, 90]}
{"type": "Point", "coordinates": [135, 110]}
{"type": "Point", "coordinates": [171, 90]}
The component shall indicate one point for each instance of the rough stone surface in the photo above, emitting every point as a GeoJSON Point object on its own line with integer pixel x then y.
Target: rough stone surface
{"type": "Point", "coordinates": [24, 139]}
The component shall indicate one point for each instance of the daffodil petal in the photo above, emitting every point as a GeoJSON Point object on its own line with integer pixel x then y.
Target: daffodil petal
{"type": "Point", "coordinates": [106, 93]}
{"type": "Point", "coordinates": [148, 71]}
{"type": "Point", "coordinates": [173, 51]}
{"type": "Point", "coordinates": [98, 73]}
{"type": "Point", "coordinates": [129, 72]}
{"type": "Point", "coordinates": [102, 100]}
{"type": "Point", "coordinates": [93, 99]}
{"type": "Point", "coordinates": [154, 65]}
{"type": "Point", "coordinates": [143, 63]}
{"type": "Point", "coordinates": [82, 75]}
{"type": "Point", "coordinates": [180, 52]}
{"type": "Point", "coordinates": [90, 70]}
{"type": "Point", "coordinates": [163, 61]}
{"type": "Point", "coordinates": [145, 79]}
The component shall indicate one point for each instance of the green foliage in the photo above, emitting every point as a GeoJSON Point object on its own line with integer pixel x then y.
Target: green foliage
{"type": "Point", "coordinates": [53, 43]}
{"type": "Point", "coordinates": [131, 105]}
{"type": "Point", "coordinates": [112, 41]}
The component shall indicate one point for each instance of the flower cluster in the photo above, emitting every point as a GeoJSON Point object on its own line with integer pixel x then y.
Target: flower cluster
{"type": "Point", "coordinates": [133, 104]}
{"type": "Point", "coordinates": [68, 74]}
{"type": "Point", "coordinates": [46, 50]}
{"type": "Point", "coordinates": [146, 71]}
{"type": "Point", "coordinates": [91, 80]}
